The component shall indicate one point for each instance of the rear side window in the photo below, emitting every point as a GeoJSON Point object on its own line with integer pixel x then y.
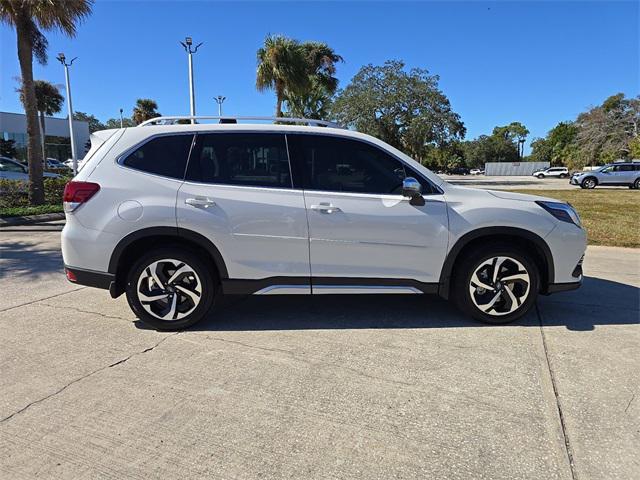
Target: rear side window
{"type": "Point", "coordinates": [255, 160]}
{"type": "Point", "coordinates": [166, 156]}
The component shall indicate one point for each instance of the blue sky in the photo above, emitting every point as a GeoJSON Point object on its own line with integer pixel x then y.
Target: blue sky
{"type": "Point", "coordinates": [533, 62]}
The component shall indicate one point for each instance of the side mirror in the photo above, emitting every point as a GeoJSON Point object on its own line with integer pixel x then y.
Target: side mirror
{"type": "Point", "coordinates": [412, 189]}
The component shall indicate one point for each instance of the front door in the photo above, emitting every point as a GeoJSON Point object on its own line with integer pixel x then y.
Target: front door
{"type": "Point", "coordinates": [361, 229]}
{"type": "Point", "coordinates": [238, 193]}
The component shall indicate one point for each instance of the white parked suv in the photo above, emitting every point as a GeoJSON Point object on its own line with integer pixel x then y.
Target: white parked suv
{"type": "Point", "coordinates": [557, 172]}
{"type": "Point", "coordinates": [175, 215]}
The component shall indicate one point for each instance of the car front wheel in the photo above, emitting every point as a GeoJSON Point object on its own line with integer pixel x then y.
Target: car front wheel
{"type": "Point", "coordinates": [496, 285]}
{"type": "Point", "coordinates": [540, 175]}
{"type": "Point", "coordinates": [170, 289]}
{"type": "Point", "coordinates": [589, 183]}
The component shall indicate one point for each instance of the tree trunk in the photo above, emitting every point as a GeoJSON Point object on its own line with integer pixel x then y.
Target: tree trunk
{"type": "Point", "coordinates": [34, 147]}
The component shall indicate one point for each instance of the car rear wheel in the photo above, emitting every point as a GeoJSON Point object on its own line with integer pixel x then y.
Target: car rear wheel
{"type": "Point", "coordinates": [497, 284]}
{"type": "Point", "coordinates": [170, 289]}
{"type": "Point", "coordinates": [636, 184]}
{"type": "Point", "coordinates": [589, 183]}
{"type": "Point", "coordinates": [564, 175]}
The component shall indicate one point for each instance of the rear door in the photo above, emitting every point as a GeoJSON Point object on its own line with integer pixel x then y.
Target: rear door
{"type": "Point", "coordinates": [361, 228]}
{"type": "Point", "coordinates": [238, 193]}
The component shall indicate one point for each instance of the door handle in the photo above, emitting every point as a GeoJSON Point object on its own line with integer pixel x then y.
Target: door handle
{"type": "Point", "coordinates": [325, 208]}
{"type": "Point", "coordinates": [200, 202]}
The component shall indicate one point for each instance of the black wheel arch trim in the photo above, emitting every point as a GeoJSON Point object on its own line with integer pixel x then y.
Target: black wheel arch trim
{"type": "Point", "coordinates": [176, 232]}
{"type": "Point", "coordinates": [452, 256]}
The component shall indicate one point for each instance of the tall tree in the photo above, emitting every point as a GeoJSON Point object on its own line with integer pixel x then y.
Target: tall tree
{"type": "Point", "coordinates": [405, 109]}
{"type": "Point", "coordinates": [315, 100]}
{"type": "Point", "coordinates": [283, 68]}
{"type": "Point", "coordinates": [115, 123]}
{"type": "Point", "coordinates": [145, 109]}
{"type": "Point", "coordinates": [557, 147]}
{"type": "Point", "coordinates": [48, 102]}
{"type": "Point", "coordinates": [30, 18]}
{"type": "Point", "coordinates": [515, 134]}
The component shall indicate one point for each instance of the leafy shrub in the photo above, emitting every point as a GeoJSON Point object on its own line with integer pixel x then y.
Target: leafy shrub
{"type": "Point", "coordinates": [16, 194]}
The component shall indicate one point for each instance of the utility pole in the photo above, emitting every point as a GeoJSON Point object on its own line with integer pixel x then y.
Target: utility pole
{"type": "Point", "coordinates": [188, 42]}
{"type": "Point", "coordinates": [219, 100]}
{"type": "Point", "coordinates": [61, 58]}
{"type": "Point", "coordinates": [120, 118]}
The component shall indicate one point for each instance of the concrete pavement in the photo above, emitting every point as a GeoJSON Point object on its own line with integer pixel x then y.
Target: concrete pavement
{"type": "Point", "coordinates": [332, 387]}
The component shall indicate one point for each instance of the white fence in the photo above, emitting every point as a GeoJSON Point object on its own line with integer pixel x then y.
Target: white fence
{"type": "Point", "coordinates": [513, 168]}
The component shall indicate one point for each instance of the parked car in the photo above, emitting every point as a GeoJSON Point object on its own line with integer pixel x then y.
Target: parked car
{"type": "Point", "coordinates": [14, 170]}
{"type": "Point", "coordinates": [558, 172]}
{"type": "Point", "coordinates": [54, 164]}
{"type": "Point", "coordinates": [458, 171]}
{"type": "Point", "coordinates": [476, 171]}
{"type": "Point", "coordinates": [173, 215]}
{"type": "Point", "coordinates": [625, 174]}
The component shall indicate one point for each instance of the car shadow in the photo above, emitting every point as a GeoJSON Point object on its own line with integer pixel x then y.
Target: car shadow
{"type": "Point", "coordinates": [579, 310]}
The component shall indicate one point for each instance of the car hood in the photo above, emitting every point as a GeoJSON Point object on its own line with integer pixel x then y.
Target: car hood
{"type": "Point", "coordinates": [506, 195]}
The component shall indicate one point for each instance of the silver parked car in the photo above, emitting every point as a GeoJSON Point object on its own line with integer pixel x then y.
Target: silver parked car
{"type": "Point", "coordinates": [625, 174]}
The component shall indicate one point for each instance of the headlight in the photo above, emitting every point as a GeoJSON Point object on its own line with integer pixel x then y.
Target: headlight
{"type": "Point", "coordinates": [562, 211]}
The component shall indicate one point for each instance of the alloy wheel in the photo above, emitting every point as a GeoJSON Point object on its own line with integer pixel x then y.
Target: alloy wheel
{"type": "Point", "coordinates": [169, 289]}
{"type": "Point", "coordinates": [499, 286]}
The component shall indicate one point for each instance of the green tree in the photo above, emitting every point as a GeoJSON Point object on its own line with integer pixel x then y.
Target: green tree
{"type": "Point", "coordinates": [405, 109]}
{"type": "Point", "coordinates": [145, 109]}
{"type": "Point", "coordinates": [30, 18]}
{"type": "Point", "coordinates": [8, 148]}
{"type": "Point", "coordinates": [514, 134]}
{"type": "Point", "coordinates": [48, 102]}
{"type": "Point", "coordinates": [557, 147]}
{"type": "Point", "coordinates": [607, 132]}
{"type": "Point", "coordinates": [315, 100]}
{"type": "Point", "coordinates": [94, 123]}
{"type": "Point", "coordinates": [283, 68]}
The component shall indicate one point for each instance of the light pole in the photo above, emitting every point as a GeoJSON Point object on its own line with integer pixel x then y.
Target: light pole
{"type": "Point", "coordinates": [219, 99]}
{"type": "Point", "coordinates": [61, 58]}
{"type": "Point", "coordinates": [188, 42]}
{"type": "Point", "coordinates": [120, 118]}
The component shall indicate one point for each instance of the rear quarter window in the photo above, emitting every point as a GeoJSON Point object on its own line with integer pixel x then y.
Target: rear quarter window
{"type": "Point", "coordinates": [165, 156]}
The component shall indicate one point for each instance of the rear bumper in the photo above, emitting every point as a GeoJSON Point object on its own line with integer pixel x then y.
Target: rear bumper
{"type": "Point", "coordinates": [89, 278]}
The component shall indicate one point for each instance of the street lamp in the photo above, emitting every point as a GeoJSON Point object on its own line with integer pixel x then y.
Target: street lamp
{"type": "Point", "coordinates": [187, 44]}
{"type": "Point", "coordinates": [120, 118]}
{"type": "Point", "coordinates": [219, 99]}
{"type": "Point", "coordinates": [61, 58]}
{"type": "Point", "coordinates": [521, 147]}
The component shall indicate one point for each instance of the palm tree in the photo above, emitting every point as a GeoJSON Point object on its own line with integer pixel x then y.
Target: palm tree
{"type": "Point", "coordinates": [314, 101]}
{"type": "Point", "coordinates": [282, 67]}
{"type": "Point", "coordinates": [145, 109]}
{"type": "Point", "coordinates": [48, 102]}
{"type": "Point", "coordinates": [30, 18]}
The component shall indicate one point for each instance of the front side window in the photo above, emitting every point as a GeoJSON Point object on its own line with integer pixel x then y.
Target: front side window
{"type": "Point", "coordinates": [344, 165]}
{"type": "Point", "coordinates": [11, 167]}
{"type": "Point", "coordinates": [165, 156]}
{"type": "Point", "coordinates": [245, 159]}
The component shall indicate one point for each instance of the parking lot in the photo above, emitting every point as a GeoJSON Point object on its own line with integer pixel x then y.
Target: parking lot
{"type": "Point", "coordinates": [332, 387]}
{"type": "Point", "coordinates": [512, 182]}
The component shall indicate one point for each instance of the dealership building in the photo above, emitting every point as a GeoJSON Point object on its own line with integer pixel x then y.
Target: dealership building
{"type": "Point", "coordinates": [13, 126]}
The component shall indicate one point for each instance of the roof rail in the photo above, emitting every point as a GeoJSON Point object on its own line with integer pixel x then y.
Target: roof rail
{"type": "Point", "coordinates": [173, 119]}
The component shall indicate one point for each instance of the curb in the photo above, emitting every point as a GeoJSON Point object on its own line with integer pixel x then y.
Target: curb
{"type": "Point", "coordinates": [44, 217]}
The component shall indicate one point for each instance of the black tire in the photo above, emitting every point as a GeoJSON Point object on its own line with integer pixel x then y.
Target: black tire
{"type": "Point", "coordinates": [563, 175]}
{"type": "Point", "coordinates": [462, 283]}
{"type": "Point", "coordinates": [636, 184]}
{"type": "Point", "coordinates": [589, 183]}
{"type": "Point", "coordinates": [540, 175]}
{"type": "Point", "coordinates": [205, 278]}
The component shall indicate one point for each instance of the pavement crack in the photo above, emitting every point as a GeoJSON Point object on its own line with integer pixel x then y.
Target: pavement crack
{"type": "Point", "coordinates": [79, 310]}
{"type": "Point", "coordinates": [633, 396]}
{"type": "Point", "coordinates": [83, 377]}
{"type": "Point", "coordinates": [563, 426]}
{"type": "Point", "coordinates": [41, 299]}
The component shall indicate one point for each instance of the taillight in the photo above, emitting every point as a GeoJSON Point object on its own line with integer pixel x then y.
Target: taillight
{"type": "Point", "coordinates": [77, 193]}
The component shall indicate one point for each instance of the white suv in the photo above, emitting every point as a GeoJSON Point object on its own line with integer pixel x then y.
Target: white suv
{"type": "Point", "coordinates": [559, 172]}
{"type": "Point", "coordinates": [174, 215]}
